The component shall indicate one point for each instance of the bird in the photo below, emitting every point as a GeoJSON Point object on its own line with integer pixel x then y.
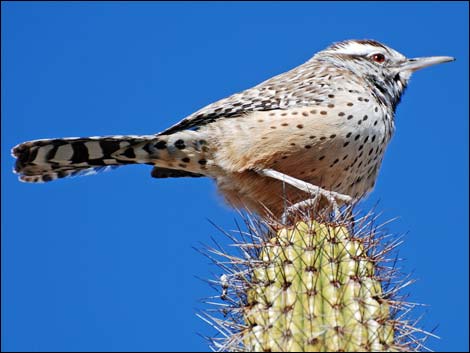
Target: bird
{"type": "Point", "coordinates": [316, 133]}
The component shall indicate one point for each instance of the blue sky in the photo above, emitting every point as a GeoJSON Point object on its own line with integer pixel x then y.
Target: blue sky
{"type": "Point", "coordinates": [106, 262]}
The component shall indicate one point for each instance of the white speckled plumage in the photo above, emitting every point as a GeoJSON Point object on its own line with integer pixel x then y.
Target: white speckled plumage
{"type": "Point", "coordinates": [326, 122]}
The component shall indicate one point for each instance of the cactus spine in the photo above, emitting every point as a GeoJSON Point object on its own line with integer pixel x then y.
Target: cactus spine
{"type": "Point", "coordinates": [315, 290]}
{"type": "Point", "coordinates": [311, 287]}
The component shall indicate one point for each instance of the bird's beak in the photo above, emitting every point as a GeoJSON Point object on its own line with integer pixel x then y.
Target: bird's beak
{"type": "Point", "coordinates": [414, 64]}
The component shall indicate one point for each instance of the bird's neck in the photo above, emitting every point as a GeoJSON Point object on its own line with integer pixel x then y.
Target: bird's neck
{"type": "Point", "coordinates": [387, 91]}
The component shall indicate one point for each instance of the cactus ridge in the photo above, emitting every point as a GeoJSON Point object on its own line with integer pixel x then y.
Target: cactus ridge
{"type": "Point", "coordinates": [316, 286]}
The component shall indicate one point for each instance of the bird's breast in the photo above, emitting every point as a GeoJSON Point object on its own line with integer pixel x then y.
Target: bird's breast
{"type": "Point", "coordinates": [338, 146]}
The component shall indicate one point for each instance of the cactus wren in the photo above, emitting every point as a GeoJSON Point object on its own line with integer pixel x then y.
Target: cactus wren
{"type": "Point", "coordinates": [319, 129]}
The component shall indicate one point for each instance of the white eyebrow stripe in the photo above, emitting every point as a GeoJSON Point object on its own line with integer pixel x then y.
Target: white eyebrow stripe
{"type": "Point", "coordinates": [354, 48]}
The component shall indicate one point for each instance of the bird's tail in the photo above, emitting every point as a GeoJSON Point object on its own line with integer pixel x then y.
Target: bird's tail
{"type": "Point", "coordinates": [47, 160]}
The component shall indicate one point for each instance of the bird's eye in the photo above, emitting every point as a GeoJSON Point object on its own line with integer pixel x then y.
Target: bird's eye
{"type": "Point", "coordinates": [378, 58]}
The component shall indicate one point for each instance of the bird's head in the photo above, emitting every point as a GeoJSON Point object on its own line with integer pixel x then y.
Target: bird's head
{"type": "Point", "coordinates": [386, 70]}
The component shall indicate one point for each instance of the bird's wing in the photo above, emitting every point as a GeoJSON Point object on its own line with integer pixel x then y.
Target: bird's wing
{"type": "Point", "coordinates": [297, 87]}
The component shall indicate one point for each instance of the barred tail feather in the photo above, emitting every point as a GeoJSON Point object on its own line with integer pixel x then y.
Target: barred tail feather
{"type": "Point", "coordinates": [47, 160]}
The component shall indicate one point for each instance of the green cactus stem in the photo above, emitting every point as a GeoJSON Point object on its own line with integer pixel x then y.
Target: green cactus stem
{"type": "Point", "coordinates": [315, 286]}
{"type": "Point", "coordinates": [315, 290]}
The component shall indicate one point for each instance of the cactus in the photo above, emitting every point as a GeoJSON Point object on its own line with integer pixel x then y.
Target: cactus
{"type": "Point", "coordinates": [311, 287]}
{"type": "Point", "coordinates": [315, 290]}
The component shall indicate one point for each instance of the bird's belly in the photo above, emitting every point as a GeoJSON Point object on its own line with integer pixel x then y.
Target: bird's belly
{"type": "Point", "coordinates": [333, 152]}
{"type": "Point", "coordinates": [350, 169]}
{"type": "Point", "coordinates": [354, 175]}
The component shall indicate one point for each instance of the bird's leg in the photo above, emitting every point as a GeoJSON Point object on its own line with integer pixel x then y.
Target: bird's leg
{"type": "Point", "coordinates": [333, 197]}
{"type": "Point", "coordinates": [298, 206]}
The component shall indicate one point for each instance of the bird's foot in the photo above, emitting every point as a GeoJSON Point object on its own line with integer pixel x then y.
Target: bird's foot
{"type": "Point", "coordinates": [334, 198]}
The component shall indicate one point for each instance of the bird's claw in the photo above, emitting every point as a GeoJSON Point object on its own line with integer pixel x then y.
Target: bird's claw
{"type": "Point", "coordinates": [333, 198]}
